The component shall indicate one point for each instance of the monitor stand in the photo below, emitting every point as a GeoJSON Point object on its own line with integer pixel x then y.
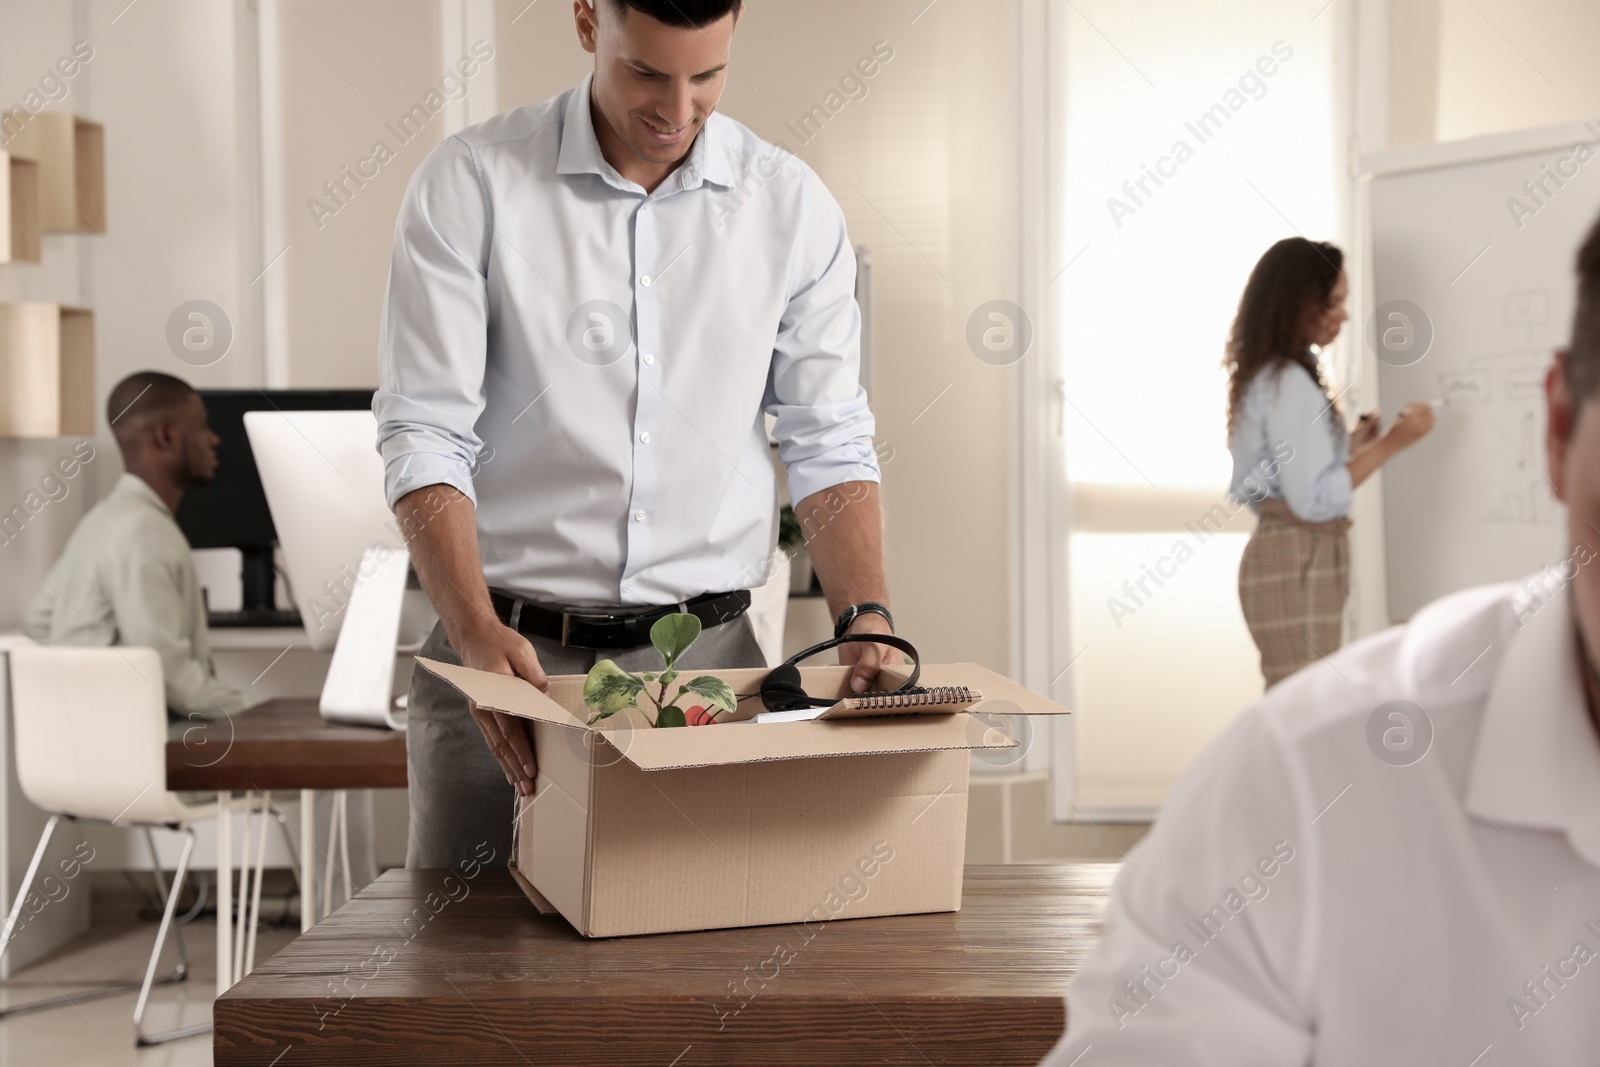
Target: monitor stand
{"type": "Point", "coordinates": [258, 579]}
{"type": "Point", "coordinates": [259, 605]}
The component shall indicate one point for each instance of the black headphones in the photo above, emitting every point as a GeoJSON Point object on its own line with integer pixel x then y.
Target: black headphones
{"type": "Point", "coordinates": [781, 689]}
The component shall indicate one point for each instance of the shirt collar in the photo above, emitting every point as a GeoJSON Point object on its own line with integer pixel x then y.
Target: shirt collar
{"type": "Point", "coordinates": [1537, 762]}
{"type": "Point", "coordinates": [580, 149]}
{"type": "Point", "coordinates": [135, 486]}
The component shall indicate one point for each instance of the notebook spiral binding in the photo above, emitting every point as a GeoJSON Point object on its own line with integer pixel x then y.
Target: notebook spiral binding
{"type": "Point", "coordinates": [917, 698]}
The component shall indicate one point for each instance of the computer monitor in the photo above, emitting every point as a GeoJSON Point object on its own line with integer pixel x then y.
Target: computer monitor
{"type": "Point", "coordinates": [232, 512]}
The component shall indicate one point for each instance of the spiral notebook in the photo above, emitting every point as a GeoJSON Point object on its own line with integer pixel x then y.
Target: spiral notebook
{"type": "Point", "coordinates": [935, 700]}
{"type": "Point", "coordinates": [938, 700]}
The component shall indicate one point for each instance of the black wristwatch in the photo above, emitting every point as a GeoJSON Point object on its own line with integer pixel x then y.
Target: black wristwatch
{"type": "Point", "coordinates": [854, 611]}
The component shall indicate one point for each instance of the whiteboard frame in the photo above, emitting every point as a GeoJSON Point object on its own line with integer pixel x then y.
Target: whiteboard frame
{"type": "Point", "coordinates": [1474, 149]}
{"type": "Point", "coordinates": [1411, 159]}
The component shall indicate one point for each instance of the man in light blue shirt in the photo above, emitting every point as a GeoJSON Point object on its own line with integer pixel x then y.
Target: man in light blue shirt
{"type": "Point", "coordinates": [594, 302]}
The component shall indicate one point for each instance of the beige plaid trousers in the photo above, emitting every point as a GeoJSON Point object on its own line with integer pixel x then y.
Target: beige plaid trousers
{"type": "Point", "coordinates": [1294, 578]}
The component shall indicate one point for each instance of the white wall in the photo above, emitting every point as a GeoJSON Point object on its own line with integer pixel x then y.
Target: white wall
{"type": "Point", "coordinates": [1459, 68]}
{"type": "Point", "coordinates": [353, 68]}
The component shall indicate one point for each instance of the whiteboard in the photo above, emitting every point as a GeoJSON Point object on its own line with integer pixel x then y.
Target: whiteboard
{"type": "Point", "coordinates": [1471, 503]}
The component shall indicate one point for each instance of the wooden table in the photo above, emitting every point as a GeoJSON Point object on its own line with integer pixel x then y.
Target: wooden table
{"type": "Point", "coordinates": [280, 745]}
{"type": "Point", "coordinates": [483, 979]}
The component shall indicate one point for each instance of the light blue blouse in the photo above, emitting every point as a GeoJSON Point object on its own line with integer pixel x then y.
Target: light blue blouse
{"type": "Point", "coordinates": [1289, 444]}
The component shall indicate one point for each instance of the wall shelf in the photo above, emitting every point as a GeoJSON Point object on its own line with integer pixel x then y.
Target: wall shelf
{"type": "Point", "coordinates": [46, 371]}
{"type": "Point", "coordinates": [19, 209]}
{"type": "Point", "coordinates": [71, 153]}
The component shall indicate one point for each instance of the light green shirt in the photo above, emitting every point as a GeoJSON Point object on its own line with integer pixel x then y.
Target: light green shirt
{"type": "Point", "coordinates": [127, 577]}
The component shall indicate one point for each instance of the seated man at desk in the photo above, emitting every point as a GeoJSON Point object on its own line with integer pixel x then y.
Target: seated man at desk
{"type": "Point", "coordinates": [126, 576]}
{"type": "Point", "coordinates": [1394, 856]}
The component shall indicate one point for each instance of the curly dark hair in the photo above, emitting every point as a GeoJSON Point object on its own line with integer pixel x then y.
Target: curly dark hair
{"type": "Point", "coordinates": [1290, 284]}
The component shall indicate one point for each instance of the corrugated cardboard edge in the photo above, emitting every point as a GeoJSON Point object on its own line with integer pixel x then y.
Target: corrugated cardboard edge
{"type": "Point", "coordinates": [544, 906]}
{"type": "Point", "coordinates": [502, 692]}
{"type": "Point", "coordinates": [678, 749]}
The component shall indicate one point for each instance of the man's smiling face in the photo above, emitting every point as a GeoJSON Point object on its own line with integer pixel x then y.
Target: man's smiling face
{"type": "Point", "coordinates": [654, 84]}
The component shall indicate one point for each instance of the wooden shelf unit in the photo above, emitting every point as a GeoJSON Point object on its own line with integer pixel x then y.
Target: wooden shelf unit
{"type": "Point", "coordinates": [19, 209]}
{"type": "Point", "coordinates": [46, 370]}
{"type": "Point", "coordinates": [71, 153]}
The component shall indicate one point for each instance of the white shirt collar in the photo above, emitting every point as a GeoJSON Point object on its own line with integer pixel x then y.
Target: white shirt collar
{"type": "Point", "coordinates": [580, 149]}
{"type": "Point", "coordinates": [133, 485]}
{"type": "Point", "coordinates": [1537, 762]}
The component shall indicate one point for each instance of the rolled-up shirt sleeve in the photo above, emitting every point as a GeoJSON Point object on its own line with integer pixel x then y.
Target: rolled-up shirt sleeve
{"type": "Point", "coordinates": [433, 338]}
{"type": "Point", "coordinates": [823, 424]}
{"type": "Point", "coordinates": [1314, 481]}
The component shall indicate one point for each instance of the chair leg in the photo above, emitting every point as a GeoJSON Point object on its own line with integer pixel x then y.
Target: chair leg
{"type": "Point", "coordinates": [27, 882]}
{"type": "Point", "coordinates": [141, 1037]}
{"type": "Point", "coordinates": [182, 971]}
{"type": "Point", "coordinates": [11, 930]}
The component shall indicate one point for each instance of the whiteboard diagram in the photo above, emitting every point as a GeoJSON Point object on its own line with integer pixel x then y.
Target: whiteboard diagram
{"type": "Point", "coordinates": [1490, 284]}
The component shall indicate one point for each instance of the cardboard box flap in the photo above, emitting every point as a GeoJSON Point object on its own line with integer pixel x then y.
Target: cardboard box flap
{"type": "Point", "coordinates": [502, 692]}
{"type": "Point", "coordinates": [748, 742]}
{"type": "Point", "coordinates": [998, 690]}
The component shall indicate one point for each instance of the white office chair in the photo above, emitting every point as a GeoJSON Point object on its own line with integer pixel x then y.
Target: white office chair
{"type": "Point", "coordinates": [91, 739]}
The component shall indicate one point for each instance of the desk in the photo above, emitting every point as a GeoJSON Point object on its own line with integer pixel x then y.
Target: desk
{"type": "Point", "coordinates": [282, 744]}
{"type": "Point", "coordinates": [485, 980]}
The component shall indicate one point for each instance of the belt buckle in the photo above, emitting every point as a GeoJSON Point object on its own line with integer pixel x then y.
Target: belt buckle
{"type": "Point", "coordinates": [566, 626]}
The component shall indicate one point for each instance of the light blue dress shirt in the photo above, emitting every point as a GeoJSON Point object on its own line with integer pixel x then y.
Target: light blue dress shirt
{"type": "Point", "coordinates": [1289, 444]}
{"type": "Point", "coordinates": [591, 363]}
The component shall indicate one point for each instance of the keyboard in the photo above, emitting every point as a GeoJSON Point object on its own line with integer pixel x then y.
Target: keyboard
{"type": "Point", "coordinates": [274, 617]}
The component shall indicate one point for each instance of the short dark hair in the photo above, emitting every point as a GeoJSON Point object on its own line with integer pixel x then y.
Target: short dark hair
{"type": "Point", "coordinates": [685, 13]}
{"type": "Point", "coordinates": [1583, 352]}
{"type": "Point", "coordinates": [142, 396]}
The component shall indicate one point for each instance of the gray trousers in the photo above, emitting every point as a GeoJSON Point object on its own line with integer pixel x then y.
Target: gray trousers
{"type": "Point", "coordinates": [459, 797]}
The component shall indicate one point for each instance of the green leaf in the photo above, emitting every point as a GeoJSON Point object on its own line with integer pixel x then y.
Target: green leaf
{"type": "Point", "coordinates": [671, 715]}
{"type": "Point", "coordinates": [673, 634]}
{"type": "Point", "coordinates": [713, 689]}
{"type": "Point", "coordinates": [609, 688]}
{"type": "Point", "coordinates": [647, 676]}
{"type": "Point", "coordinates": [667, 679]}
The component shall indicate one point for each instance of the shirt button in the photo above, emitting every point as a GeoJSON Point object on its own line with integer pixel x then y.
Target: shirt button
{"type": "Point", "coordinates": [649, 357]}
{"type": "Point", "coordinates": [645, 281]}
{"type": "Point", "coordinates": [638, 516]}
{"type": "Point", "coordinates": [644, 438]}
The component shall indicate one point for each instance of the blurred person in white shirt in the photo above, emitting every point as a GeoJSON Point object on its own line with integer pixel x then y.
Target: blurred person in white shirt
{"type": "Point", "coordinates": [1393, 857]}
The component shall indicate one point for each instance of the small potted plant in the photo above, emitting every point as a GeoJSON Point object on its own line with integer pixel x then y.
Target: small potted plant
{"type": "Point", "coordinates": [609, 689]}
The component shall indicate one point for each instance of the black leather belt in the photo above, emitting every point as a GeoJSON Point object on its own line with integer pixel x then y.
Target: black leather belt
{"type": "Point", "coordinates": [615, 628]}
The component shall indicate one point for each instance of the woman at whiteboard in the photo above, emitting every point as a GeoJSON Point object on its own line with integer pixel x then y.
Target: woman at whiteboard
{"type": "Point", "coordinates": [1293, 459]}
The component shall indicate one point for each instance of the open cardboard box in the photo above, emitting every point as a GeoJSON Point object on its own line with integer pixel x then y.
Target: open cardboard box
{"type": "Point", "coordinates": [633, 830]}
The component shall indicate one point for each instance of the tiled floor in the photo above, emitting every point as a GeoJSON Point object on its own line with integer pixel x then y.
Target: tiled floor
{"type": "Point", "coordinates": [100, 1032]}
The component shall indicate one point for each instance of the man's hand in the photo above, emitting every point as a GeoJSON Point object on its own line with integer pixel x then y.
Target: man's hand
{"type": "Point", "coordinates": [441, 529]}
{"type": "Point", "coordinates": [865, 656]}
{"type": "Point", "coordinates": [502, 650]}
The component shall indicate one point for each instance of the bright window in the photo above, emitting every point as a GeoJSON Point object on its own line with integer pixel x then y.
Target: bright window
{"type": "Point", "coordinates": [1196, 136]}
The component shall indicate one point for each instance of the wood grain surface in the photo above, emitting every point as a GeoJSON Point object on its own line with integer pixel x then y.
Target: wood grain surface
{"type": "Point", "coordinates": [435, 967]}
{"type": "Point", "coordinates": [285, 744]}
